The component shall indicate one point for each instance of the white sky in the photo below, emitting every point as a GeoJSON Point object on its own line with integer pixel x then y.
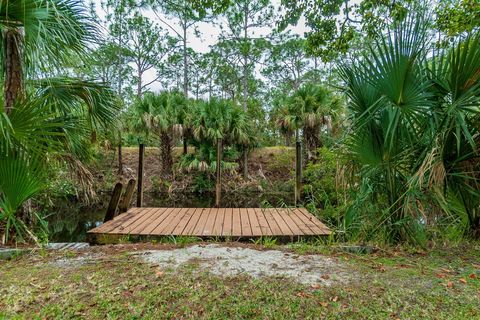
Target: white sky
{"type": "Point", "coordinates": [209, 34]}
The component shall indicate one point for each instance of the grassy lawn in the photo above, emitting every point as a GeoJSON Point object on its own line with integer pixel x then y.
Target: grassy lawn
{"type": "Point", "coordinates": [440, 284]}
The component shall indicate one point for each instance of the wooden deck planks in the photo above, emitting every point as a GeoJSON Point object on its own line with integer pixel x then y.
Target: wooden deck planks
{"type": "Point", "coordinates": [264, 224]}
{"type": "Point", "coordinates": [228, 222]}
{"type": "Point", "coordinates": [219, 222]}
{"type": "Point", "coordinates": [212, 222]}
{"type": "Point", "coordinates": [160, 215]}
{"type": "Point", "coordinates": [236, 223]}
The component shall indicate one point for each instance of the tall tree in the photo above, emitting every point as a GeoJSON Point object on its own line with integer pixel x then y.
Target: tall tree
{"type": "Point", "coordinates": [187, 17]}
{"type": "Point", "coordinates": [147, 47]}
{"type": "Point", "coordinates": [243, 19]}
{"type": "Point", "coordinates": [287, 62]}
{"type": "Point", "coordinates": [338, 24]}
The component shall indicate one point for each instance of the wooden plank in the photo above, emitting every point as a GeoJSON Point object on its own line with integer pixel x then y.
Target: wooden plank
{"type": "Point", "coordinates": [236, 223]}
{"type": "Point", "coordinates": [254, 223]}
{"type": "Point", "coordinates": [228, 222]}
{"type": "Point", "coordinates": [171, 216]}
{"type": "Point", "coordinates": [130, 224]}
{"type": "Point", "coordinates": [135, 210]}
{"type": "Point", "coordinates": [315, 221]}
{"type": "Point", "coordinates": [280, 222]}
{"type": "Point", "coordinates": [112, 224]}
{"type": "Point", "coordinates": [152, 217]}
{"type": "Point", "coordinates": [262, 220]}
{"type": "Point", "coordinates": [285, 214]}
{"type": "Point", "coordinates": [125, 224]}
{"type": "Point", "coordinates": [174, 222]}
{"type": "Point", "coordinates": [210, 222]}
{"type": "Point", "coordinates": [199, 228]}
{"type": "Point", "coordinates": [183, 222]}
{"type": "Point", "coordinates": [139, 224]}
{"type": "Point", "coordinates": [162, 214]}
{"type": "Point", "coordinates": [114, 200]}
{"type": "Point", "coordinates": [192, 223]}
{"type": "Point", "coordinates": [246, 225]}
{"type": "Point", "coordinates": [127, 197]}
{"type": "Point", "coordinates": [274, 227]}
{"type": "Point", "coordinates": [302, 225]}
{"type": "Point", "coordinates": [219, 222]}
{"type": "Point", "coordinates": [313, 229]}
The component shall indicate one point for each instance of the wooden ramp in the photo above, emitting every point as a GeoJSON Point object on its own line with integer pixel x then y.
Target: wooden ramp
{"type": "Point", "coordinates": [211, 222]}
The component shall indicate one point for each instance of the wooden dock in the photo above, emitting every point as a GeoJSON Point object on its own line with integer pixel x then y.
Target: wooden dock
{"type": "Point", "coordinates": [210, 222]}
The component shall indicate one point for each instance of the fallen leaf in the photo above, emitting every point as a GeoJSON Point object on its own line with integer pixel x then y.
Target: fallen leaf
{"type": "Point", "coordinates": [159, 273]}
{"type": "Point", "coordinates": [303, 295]}
{"type": "Point", "coordinates": [449, 284]}
{"type": "Point", "coordinates": [463, 281]}
{"type": "Point", "coordinates": [472, 276]}
{"type": "Point", "coordinates": [315, 286]}
{"type": "Point", "coordinates": [325, 276]}
{"type": "Point", "coordinates": [335, 299]}
{"type": "Point", "coordinates": [440, 275]}
{"type": "Point", "coordinates": [324, 304]}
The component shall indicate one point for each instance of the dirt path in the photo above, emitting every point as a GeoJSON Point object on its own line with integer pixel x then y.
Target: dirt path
{"type": "Point", "coordinates": [232, 261]}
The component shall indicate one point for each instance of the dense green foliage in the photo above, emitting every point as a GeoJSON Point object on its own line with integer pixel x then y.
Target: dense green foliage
{"type": "Point", "coordinates": [44, 117]}
{"type": "Point", "coordinates": [384, 101]}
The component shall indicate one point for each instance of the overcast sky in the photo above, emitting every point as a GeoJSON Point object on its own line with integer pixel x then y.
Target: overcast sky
{"type": "Point", "coordinates": [209, 33]}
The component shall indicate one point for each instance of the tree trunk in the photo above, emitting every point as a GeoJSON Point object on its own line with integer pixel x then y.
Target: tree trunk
{"type": "Point", "coordinates": [245, 84]}
{"type": "Point", "coordinates": [139, 84]}
{"type": "Point", "coordinates": [185, 61]}
{"type": "Point", "coordinates": [312, 142]}
{"type": "Point", "coordinates": [13, 86]}
{"type": "Point", "coordinates": [166, 153]}
{"type": "Point", "coordinates": [185, 145]}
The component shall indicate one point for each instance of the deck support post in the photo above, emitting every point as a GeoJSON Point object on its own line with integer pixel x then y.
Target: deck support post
{"type": "Point", "coordinates": [127, 197]}
{"type": "Point", "coordinates": [298, 172]}
{"type": "Point", "coordinates": [113, 204]}
{"type": "Point", "coordinates": [141, 153]}
{"type": "Point", "coordinates": [218, 186]}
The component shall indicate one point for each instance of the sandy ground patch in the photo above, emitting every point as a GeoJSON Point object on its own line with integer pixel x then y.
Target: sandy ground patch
{"type": "Point", "coordinates": [231, 261]}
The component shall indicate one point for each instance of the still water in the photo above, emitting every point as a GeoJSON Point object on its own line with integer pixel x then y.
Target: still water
{"type": "Point", "coordinates": [70, 222]}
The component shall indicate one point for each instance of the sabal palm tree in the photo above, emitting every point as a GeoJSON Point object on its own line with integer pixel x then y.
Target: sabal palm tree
{"type": "Point", "coordinates": [43, 117]}
{"type": "Point", "coordinates": [305, 113]}
{"type": "Point", "coordinates": [161, 114]}
{"type": "Point", "coordinates": [217, 119]}
{"type": "Point", "coordinates": [415, 133]}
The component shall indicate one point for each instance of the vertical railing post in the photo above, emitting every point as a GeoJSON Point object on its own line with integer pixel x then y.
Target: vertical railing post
{"type": "Point", "coordinates": [298, 172]}
{"type": "Point", "coordinates": [141, 153]}
{"type": "Point", "coordinates": [218, 186]}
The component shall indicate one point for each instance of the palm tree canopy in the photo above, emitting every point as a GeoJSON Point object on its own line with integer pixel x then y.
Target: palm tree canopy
{"type": "Point", "coordinates": [53, 30]}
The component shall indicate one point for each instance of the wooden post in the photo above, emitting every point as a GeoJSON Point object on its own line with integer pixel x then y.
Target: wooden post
{"type": "Point", "coordinates": [218, 186]}
{"type": "Point", "coordinates": [127, 197]}
{"type": "Point", "coordinates": [141, 153]}
{"type": "Point", "coordinates": [112, 206]}
{"type": "Point", "coordinates": [120, 159]}
{"type": "Point", "coordinates": [298, 172]}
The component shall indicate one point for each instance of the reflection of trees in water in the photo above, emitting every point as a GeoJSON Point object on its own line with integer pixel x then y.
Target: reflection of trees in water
{"type": "Point", "coordinates": [69, 222]}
